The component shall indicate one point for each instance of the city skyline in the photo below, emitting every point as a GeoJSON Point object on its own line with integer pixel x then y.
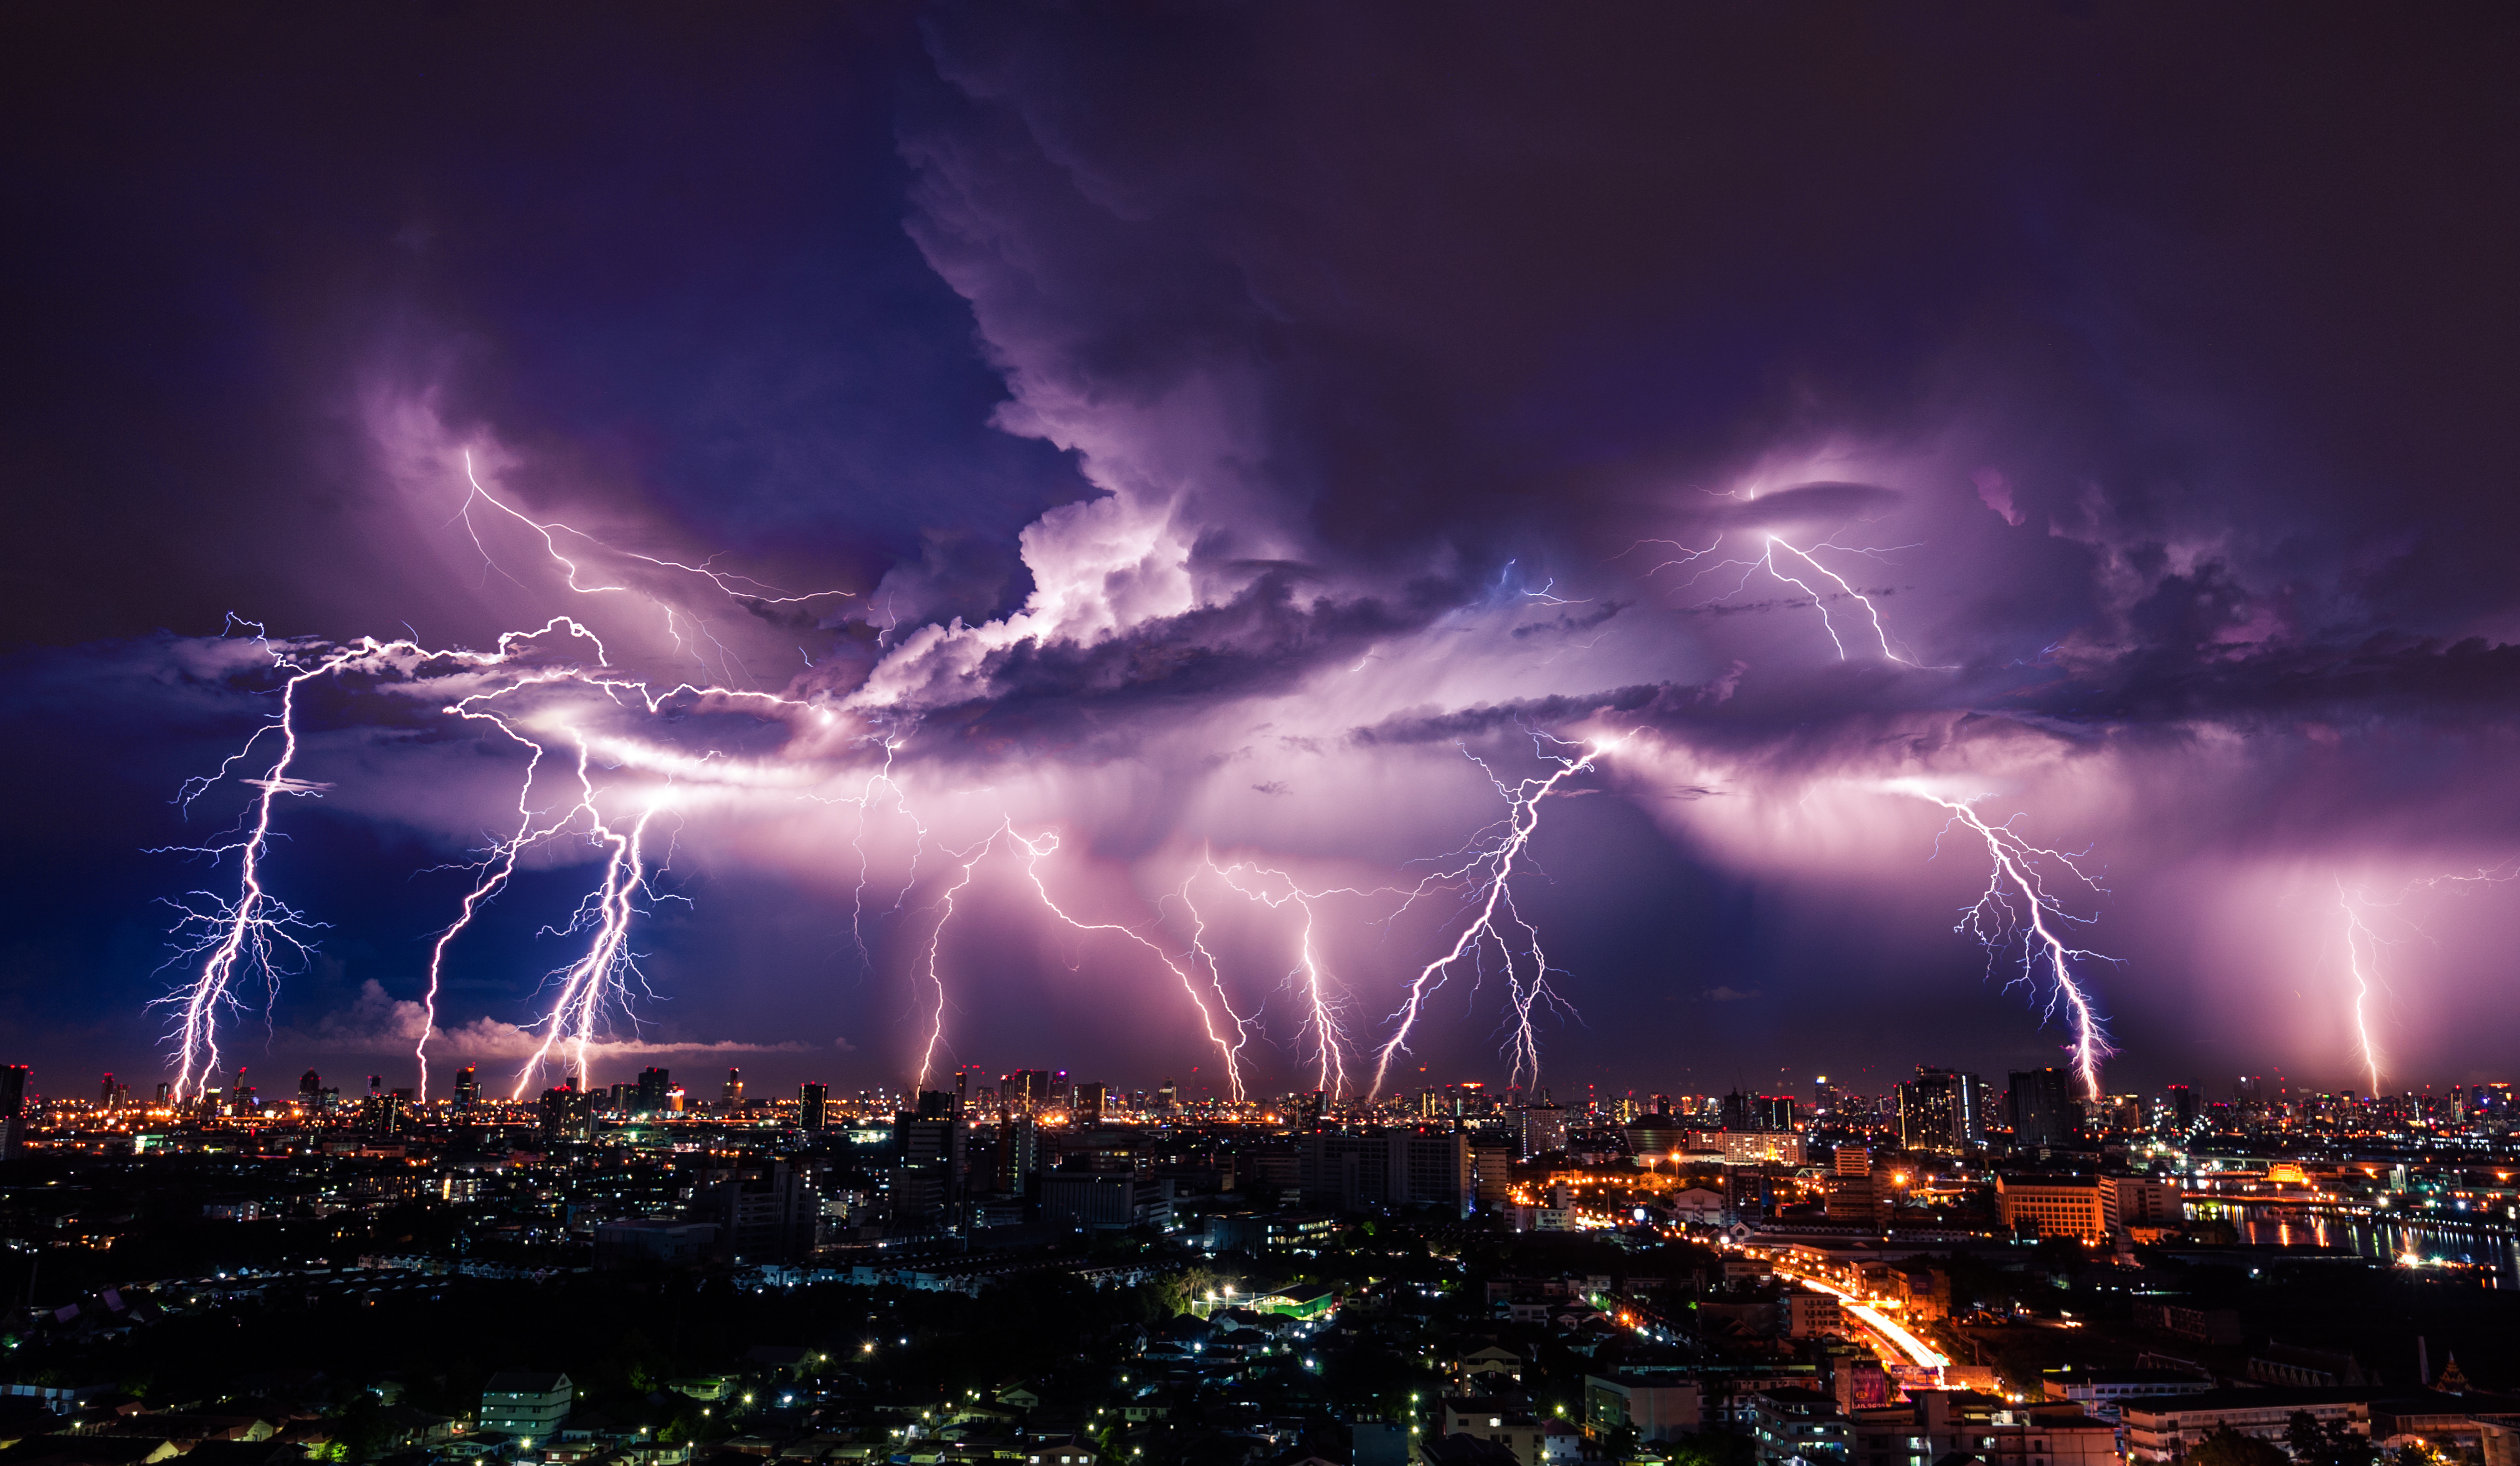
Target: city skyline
{"type": "Point", "coordinates": [1259, 551]}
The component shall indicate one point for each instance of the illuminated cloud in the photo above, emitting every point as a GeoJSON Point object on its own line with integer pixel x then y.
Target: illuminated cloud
{"type": "Point", "coordinates": [1343, 409]}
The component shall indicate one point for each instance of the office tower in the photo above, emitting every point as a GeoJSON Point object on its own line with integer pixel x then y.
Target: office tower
{"type": "Point", "coordinates": [733, 1100]}
{"type": "Point", "coordinates": [165, 1094]}
{"type": "Point", "coordinates": [1662, 1106]}
{"type": "Point", "coordinates": [1019, 1156]}
{"type": "Point", "coordinates": [1544, 1130]}
{"type": "Point", "coordinates": [568, 1113]}
{"type": "Point", "coordinates": [812, 1106]}
{"type": "Point", "coordinates": [1060, 1097]}
{"type": "Point", "coordinates": [1942, 1109]}
{"type": "Point", "coordinates": [375, 1083]}
{"type": "Point", "coordinates": [935, 1104]}
{"type": "Point", "coordinates": [1026, 1091]}
{"type": "Point", "coordinates": [1773, 1112]}
{"type": "Point", "coordinates": [927, 1183]}
{"type": "Point", "coordinates": [655, 1090]}
{"type": "Point", "coordinates": [961, 1091]}
{"type": "Point", "coordinates": [467, 1089]}
{"type": "Point", "coordinates": [1388, 1168]}
{"type": "Point", "coordinates": [1167, 1097]}
{"type": "Point", "coordinates": [2042, 1107]}
{"type": "Point", "coordinates": [1089, 1101]}
{"type": "Point", "coordinates": [309, 1085]}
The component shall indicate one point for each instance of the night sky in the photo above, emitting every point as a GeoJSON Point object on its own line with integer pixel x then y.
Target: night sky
{"type": "Point", "coordinates": [1209, 454]}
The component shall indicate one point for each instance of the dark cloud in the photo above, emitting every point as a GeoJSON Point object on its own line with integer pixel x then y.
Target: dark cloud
{"type": "Point", "coordinates": [1411, 374]}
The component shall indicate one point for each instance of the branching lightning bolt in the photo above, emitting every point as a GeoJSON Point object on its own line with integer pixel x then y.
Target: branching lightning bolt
{"type": "Point", "coordinates": [1766, 560]}
{"type": "Point", "coordinates": [1323, 1029]}
{"type": "Point", "coordinates": [1485, 868]}
{"type": "Point", "coordinates": [2017, 906]}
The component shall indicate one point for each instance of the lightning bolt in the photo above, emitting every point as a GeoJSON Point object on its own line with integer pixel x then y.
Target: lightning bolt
{"type": "Point", "coordinates": [2358, 935]}
{"type": "Point", "coordinates": [244, 933]}
{"type": "Point", "coordinates": [1767, 560]}
{"type": "Point", "coordinates": [253, 932]}
{"type": "Point", "coordinates": [1485, 872]}
{"type": "Point", "coordinates": [1042, 846]}
{"type": "Point", "coordinates": [743, 590]}
{"type": "Point", "coordinates": [1323, 1028]}
{"type": "Point", "coordinates": [2017, 906]}
{"type": "Point", "coordinates": [2362, 944]}
{"type": "Point", "coordinates": [1184, 967]}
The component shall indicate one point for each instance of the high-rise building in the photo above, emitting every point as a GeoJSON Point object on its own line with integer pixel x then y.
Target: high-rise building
{"type": "Point", "coordinates": [1167, 1097]}
{"type": "Point", "coordinates": [2041, 1107]}
{"type": "Point", "coordinates": [733, 1100]}
{"type": "Point", "coordinates": [309, 1085]}
{"type": "Point", "coordinates": [1942, 1109]}
{"type": "Point", "coordinates": [656, 1092]}
{"type": "Point", "coordinates": [1017, 1156]}
{"type": "Point", "coordinates": [1026, 1091]}
{"type": "Point", "coordinates": [569, 1113]}
{"type": "Point", "coordinates": [12, 1109]}
{"type": "Point", "coordinates": [811, 1106]}
{"type": "Point", "coordinates": [1090, 1102]}
{"type": "Point", "coordinates": [1388, 1168]}
{"type": "Point", "coordinates": [1544, 1130]}
{"type": "Point", "coordinates": [467, 1089]}
{"type": "Point", "coordinates": [927, 1183]}
{"type": "Point", "coordinates": [2181, 1101]}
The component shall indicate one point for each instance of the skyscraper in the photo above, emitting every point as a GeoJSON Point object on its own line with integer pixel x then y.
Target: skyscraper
{"type": "Point", "coordinates": [2041, 1107]}
{"type": "Point", "coordinates": [733, 1100]}
{"type": "Point", "coordinates": [655, 1087]}
{"type": "Point", "coordinates": [467, 1089]}
{"type": "Point", "coordinates": [1942, 1109]}
{"type": "Point", "coordinates": [812, 1103]}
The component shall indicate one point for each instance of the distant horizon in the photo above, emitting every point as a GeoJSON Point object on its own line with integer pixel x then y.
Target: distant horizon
{"type": "Point", "coordinates": [712, 1079]}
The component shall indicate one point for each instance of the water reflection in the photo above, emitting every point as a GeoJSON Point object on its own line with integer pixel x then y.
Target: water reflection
{"type": "Point", "coordinates": [2384, 1239]}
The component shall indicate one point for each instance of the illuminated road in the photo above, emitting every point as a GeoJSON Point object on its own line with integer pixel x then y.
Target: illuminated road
{"type": "Point", "coordinates": [1916, 1348]}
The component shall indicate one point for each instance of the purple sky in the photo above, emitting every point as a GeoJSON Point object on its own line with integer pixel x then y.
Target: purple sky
{"type": "Point", "coordinates": [1252, 443]}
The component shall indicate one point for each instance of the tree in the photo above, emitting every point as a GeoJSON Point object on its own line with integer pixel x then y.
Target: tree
{"type": "Point", "coordinates": [2225, 1446]}
{"type": "Point", "coordinates": [2334, 1444]}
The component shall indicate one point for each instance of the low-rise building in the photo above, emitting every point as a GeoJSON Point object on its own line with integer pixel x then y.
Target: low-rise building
{"type": "Point", "coordinates": [2167, 1428]}
{"type": "Point", "coordinates": [2058, 1206]}
{"type": "Point", "coordinates": [1493, 1421]}
{"type": "Point", "coordinates": [2100, 1391]}
{"type": "Point", "coordinates": [1793, 1426]}
{"type": "Point", "coordinates": [1657, 1407]}
{"type": "Point", "coordinates": [522, 1403]}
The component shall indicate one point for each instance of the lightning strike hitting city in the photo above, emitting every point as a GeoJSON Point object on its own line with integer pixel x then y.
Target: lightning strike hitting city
{"type": "Point", "coordinates": [1369, 736]}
